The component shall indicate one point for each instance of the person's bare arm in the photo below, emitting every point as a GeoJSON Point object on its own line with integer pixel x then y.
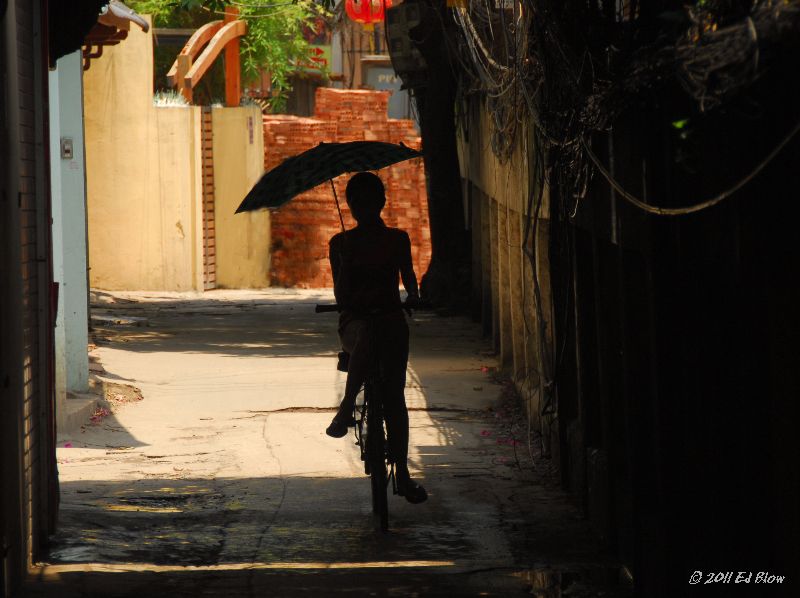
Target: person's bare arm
{"type": "Point", "coordinates": [335, 258]}
{"type": "Point", "coordinates": [407, 274]}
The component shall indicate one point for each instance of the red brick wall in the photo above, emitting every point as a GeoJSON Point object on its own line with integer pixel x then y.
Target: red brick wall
{"type": "Point", "coordinates": [209, 220]}
{"type": "Point", "coordinates": [301, 228]}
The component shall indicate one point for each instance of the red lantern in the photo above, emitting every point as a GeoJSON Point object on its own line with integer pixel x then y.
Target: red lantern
{"type": "Point", "coordinates": [366, 12]}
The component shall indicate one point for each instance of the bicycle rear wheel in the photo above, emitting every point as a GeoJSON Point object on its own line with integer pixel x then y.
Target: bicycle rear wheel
{"type": "Point", "coordinates": [376, 456]}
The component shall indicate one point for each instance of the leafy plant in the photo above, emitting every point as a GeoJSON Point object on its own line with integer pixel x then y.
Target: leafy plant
{"type": "Point", "coordinates": [274, 42]}
{"type": "Point", "coordinates": [169, 99]}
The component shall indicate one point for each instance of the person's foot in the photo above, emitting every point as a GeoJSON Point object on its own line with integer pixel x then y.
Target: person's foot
{"type": "Point", "coordinates": [341, 421]}
{"type": "Point", "coordinates": [413, 492]}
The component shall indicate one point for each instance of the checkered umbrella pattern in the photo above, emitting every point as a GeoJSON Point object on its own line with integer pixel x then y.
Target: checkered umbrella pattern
{"type": "Point", "coordinates": [318, 165]}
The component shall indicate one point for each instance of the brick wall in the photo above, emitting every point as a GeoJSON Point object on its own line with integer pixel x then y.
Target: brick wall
{"type": "Point", "coordinates": [30, 326]}
{"type": "Point", "coordinates": [27, 467]}
{"type": "Point", "coordinates": [209, 223]}
{"type": "Point", "coordinates": [301, 228]}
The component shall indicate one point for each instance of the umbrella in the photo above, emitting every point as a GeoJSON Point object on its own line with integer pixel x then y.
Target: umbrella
{"type": "Point", "coordinates": [319, 164]}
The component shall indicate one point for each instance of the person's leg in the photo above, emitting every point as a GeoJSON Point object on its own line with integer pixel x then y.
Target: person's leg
{"type": "Point", "coordinates": [395, 361]}
{"type": "Point", "coordinates": [396, 416]}
{"type": "Point", "coordinates": [394, 358]}
{"type": "Point", "coordinates": [354, 338]}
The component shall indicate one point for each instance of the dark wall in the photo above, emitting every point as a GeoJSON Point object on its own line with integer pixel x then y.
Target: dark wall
{"type": "Point", "coordinates": [679, 386]}
{"type": "Point", "coordinates": [28, 500]}
{"type": "Point", "coordinates": [5, 473]}
{"type": "Point", "coordinates": [301, 99]}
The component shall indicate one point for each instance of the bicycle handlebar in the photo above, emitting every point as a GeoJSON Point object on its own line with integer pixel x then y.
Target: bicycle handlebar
{"type": "Point", "coordinates": [330, 307]}
{"type": "Point", "coordinates": [327, 307]}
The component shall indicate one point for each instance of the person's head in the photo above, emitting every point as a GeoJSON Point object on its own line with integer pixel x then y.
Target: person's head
{"type": "Point", "coordinates": [365, 196]}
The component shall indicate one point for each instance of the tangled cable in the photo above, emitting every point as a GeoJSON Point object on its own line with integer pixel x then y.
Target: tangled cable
{"type": "Point", "coordinates": [570, 69]}
{"type": "Point", "coordinates": [524, 58]}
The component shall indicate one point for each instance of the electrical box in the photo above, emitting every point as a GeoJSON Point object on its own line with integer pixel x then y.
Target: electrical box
{"type": "Point", "coordinates": [407, 61]}
{"type": "Point", "coordinates": [67, 152]}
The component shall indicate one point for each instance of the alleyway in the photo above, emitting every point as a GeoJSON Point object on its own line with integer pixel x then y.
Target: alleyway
{"type": "Point", "coordinates": [220, 481]}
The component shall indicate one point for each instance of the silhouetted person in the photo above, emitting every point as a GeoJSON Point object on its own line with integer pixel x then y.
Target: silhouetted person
{"type": "Point", "coordinates": [366, 262]}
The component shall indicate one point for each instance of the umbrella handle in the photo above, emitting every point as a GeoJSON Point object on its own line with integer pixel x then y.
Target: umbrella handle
{"type": "Point", "coordinates": [338, 209]}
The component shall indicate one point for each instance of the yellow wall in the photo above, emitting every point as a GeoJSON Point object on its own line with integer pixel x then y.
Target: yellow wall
{"type": "Point", "coordinates": [505, 182]}
{"type": "Point", "coordinates": [503, 276]}
{"type": "Point", "coordinates": [242, 240]}
{"type": "Point", "coordinates": [143, 177]}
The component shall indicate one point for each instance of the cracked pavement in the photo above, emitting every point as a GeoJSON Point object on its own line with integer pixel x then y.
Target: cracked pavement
{"type": "Point", "coordinates": [221, 481]}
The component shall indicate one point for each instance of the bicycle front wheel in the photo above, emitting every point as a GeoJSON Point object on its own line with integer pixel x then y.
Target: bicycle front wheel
{"type": "Point", "coordinates": [376, 455]}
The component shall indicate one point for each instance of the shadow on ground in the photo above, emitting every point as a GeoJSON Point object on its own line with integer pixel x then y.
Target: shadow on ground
{"type": "Point", "coordinates": [490, 528]}
{"type": "Point", "coordinates": [306, 536]}
{"type": "Point", "coordinates": [235, 327]}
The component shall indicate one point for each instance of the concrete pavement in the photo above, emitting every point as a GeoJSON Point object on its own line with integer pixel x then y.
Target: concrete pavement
{"type": "Point", "coordinates": [220, 481]}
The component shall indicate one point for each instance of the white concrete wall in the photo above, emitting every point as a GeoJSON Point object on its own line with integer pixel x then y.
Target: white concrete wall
{"type": "Point", "coordinates": [242, 240]}
{"type": "Point", "coordinates": [68, 192]}
{"type": "Point", "coordinates": [144, 187]}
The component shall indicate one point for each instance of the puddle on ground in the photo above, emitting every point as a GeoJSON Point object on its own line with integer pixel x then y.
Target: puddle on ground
{"type": "Point", "coordinates": [73, 554]}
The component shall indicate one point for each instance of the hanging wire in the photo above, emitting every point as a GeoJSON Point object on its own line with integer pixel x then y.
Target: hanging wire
{"type": "Point", "coordinates": [556, 67]}
{"type": "Point", "coordinates": [703, 205]}
{"type": "Point", "coordinates": [274, 9]}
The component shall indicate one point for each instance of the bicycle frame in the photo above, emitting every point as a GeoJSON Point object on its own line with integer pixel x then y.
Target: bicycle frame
{"type": "Point", "coordinates": [369, 431]}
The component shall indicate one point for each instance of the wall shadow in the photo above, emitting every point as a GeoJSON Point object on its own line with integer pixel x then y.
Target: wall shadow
{"type": "Point", "coordinates": [92, 436]}
{"type": "Point", "coordinates": [484, 524]}
{"type": "Point", "coordinates": [242, 536]}
{"type": "Point", "coordinates": [229, 327]}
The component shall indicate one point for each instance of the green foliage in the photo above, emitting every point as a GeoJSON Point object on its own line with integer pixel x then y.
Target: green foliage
{"type": "Point", "coordinates": [193, 4]}
{"type": "Point", "coordinates": [277, 43]}
{"type": "Point", "coordinates": [170, 13]}
{"type": "Point", "coordinates": [274, 40]}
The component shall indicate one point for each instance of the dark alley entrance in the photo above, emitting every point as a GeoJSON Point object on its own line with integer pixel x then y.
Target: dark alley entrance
{"type": "Point", "coordinates": [607, 189]}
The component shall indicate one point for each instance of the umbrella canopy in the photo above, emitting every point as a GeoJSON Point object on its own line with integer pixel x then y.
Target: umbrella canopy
{"type": "Point", "coordinates": [318, 165]}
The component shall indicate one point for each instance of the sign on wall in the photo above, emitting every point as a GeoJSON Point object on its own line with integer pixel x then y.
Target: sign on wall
{"type": "Point", "coordinates": [384, 78]}
{"type": "Point", "coordinates": [318, 37]}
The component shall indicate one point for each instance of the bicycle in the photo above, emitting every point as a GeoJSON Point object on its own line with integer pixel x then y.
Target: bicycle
{"type": "Point", "coordinates": [370, 430]}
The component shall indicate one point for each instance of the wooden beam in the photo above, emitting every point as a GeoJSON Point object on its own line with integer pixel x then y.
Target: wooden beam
{"type": "Point", "coordinates": [193, 46]}
{"type": "Point", "coordinates": [233, 73]}
{"type": "Point", "coordinates": [228, 32]}
{"type": "Point", "coordinates": [184, 63]}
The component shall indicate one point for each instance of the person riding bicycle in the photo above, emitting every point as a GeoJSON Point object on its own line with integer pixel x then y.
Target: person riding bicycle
{"type": "Point", "coordinates": [366, 261]}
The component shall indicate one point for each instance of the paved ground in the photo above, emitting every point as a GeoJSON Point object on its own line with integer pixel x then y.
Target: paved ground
{"type": "Point", "coordinates": [220, 481]}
